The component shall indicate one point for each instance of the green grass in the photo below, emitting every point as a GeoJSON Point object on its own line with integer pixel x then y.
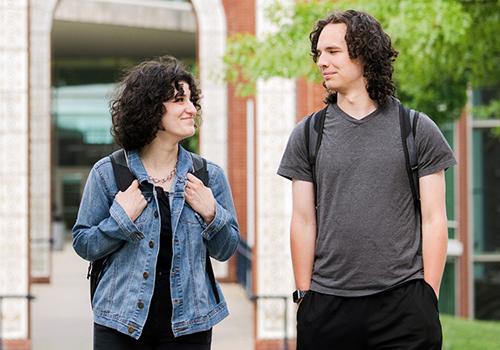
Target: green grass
{"type": "Point", "coordinates": [461, 334]}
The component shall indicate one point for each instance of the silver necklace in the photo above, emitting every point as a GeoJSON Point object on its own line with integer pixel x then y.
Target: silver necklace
{"type": "Point", "coordinates": [163, 180]}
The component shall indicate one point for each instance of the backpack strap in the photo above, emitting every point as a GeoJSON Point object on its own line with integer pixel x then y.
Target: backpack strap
{"type": "Point", "coordinates": [314, 137]}
{"type": "Point", "coordinates": [123, 175]}
{"type": "Point", "coordinates": [408, 119]}
{"type": "Point", "coordinates": [123, 179]}
{"type": "Point", "coordinates": [200, 170]}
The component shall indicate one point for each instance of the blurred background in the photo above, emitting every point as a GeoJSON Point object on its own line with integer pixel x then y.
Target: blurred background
{"type": "Point", "coordinates": [60, 61]}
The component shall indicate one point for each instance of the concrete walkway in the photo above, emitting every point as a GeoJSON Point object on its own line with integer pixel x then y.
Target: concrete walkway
{"type": "Point", "coordinates": [61, 314]}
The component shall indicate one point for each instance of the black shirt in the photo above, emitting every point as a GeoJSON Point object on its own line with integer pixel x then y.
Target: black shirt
{"type": "Point", "coordinates": [159, 323]}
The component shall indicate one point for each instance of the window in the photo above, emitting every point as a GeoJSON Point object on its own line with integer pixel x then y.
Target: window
{"type": "Point", "coordinates": [486, 209]}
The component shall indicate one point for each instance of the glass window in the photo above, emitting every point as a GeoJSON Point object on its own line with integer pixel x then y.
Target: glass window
{"type": "Point", "coordinates": [487, 290]}
{"type": "Point", "coordinates": [83, 123]}
{"type": "Point", "coordinates": [486, 191]}
{"type": "Point", "coordinates": [484, 97]}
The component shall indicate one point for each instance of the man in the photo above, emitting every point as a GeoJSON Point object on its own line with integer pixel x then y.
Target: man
{"type": "Point", "coordinates": [367, 261]}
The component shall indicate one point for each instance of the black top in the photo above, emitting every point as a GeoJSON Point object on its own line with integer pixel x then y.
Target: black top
{"type": "Point", "coordinates": [159, 323]}
{"type": "Point", "coordinates": [164, 262]}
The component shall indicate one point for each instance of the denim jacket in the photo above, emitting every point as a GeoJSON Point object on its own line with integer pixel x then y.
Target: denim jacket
{"type": "Point", "coordinates": [124, 293]}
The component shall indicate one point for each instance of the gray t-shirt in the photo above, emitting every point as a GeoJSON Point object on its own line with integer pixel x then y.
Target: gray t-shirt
{"type": "Point", "coordinates": [368, 231]}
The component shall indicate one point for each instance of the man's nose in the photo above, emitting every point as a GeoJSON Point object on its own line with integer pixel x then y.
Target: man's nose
{"type": "Point", "coordinates": [321, 62]}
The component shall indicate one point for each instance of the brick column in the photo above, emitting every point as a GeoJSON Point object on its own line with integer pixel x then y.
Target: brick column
{"type": "Point", "coordinates": [240, 19]}
{"type": "Point", "coordinates": [40, 134]}
{"type": "Point", "coordinates": [276, 115]}
{"type": "Point", "coordinates": [464, 297]}
{"type": "Point", "coordinates": [212, 33]}
{"type": "Point", "coordinates": [14, 173]}
{"type": "Point", "coordinates": [310, 98]}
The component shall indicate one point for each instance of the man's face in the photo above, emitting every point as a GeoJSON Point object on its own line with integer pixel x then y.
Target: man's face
{"type": "Point", "coordinates": [340, 72]}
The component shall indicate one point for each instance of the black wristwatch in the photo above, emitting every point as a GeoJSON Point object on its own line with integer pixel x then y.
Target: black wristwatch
{"type": "Point", "coordinates": [298, 295]}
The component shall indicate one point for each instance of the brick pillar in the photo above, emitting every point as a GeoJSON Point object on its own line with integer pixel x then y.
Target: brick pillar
{"type": "Point", "coordinates": [211, 45]}
{"type": "Point", "coordinates": [310, 98]}
{"type": "Point", "coordinates": [240, 19]}
{"type": "Point", "coordinates": [40, 133]}
{"type": "Point", "coordinates": [275, 119]}
{"type": "Point", "coordinates": [463, 234]}
{"type": "Point", "coordinates": [14, 171]}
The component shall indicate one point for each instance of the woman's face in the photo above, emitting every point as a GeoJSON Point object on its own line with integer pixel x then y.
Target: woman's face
{"type": "Point", "coordinates": [178, 121]}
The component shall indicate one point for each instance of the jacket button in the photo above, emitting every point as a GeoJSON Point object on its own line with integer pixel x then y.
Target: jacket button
{"type": "Point", "coordinates": [131, 329]}
{"type": "Point", "coordinates": [151, 244]}
{"type": "Point", "coordinates": [156, 214]}
{"type": "Point", "coordinates": [145, 275]}
{"type": "Point", "coordinates": [140, 305]}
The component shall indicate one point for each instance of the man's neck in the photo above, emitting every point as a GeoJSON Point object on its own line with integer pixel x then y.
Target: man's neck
{"type": "Point", "coordinates": [357, 104]}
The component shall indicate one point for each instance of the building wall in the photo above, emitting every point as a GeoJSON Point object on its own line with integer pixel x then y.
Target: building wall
{"type": "Point", "coordinates": [225, 138]}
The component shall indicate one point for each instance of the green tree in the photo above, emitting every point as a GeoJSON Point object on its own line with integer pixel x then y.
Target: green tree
{"type": "Point", "coordinates": [444, 47]}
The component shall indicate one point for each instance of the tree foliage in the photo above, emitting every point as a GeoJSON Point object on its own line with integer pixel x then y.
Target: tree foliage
{"type": "Point", "coordinates": [444, 47]}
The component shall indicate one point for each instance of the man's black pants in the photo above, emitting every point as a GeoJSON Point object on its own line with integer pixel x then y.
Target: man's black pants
{"type": "Point", "coordinates": [405, 317]}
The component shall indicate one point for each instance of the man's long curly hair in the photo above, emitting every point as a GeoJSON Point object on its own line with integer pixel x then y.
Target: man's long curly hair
{"type": "Point", "coordinates": [137, 109]}
{"type": "Point", "coordinates": [366, 41]}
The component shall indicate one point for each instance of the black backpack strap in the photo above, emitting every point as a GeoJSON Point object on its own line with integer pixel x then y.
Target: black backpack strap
{"type": "Point", "coordinates": [408, 122]}
{"type": "Point", "coordinates": [408, 119]}
{"type": "Point", "coordinates": [313, 142]}
{"type": "Point", "coordinates": [123, 178]}
{"type": "Point", "coordinates": [200, 170]}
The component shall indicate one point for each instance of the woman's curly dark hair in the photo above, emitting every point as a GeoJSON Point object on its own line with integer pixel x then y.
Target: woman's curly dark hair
{"type": "Point", "coordinates": [367, 41]}
{"type": "Point", "coordinates": [138, 108]}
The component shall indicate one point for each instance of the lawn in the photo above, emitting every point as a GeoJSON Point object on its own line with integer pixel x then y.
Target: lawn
{"type": "Point", "coordinates": [461, 334]}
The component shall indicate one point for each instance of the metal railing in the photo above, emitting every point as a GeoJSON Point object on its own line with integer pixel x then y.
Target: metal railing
{"type": "Point", "coordinates": [244, 256]}
{"type": "Point", "coordinates": [244, 266]}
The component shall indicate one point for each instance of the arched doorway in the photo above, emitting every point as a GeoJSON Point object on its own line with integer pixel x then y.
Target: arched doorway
{"type": "Point", "coordinates": [70, 20]}
{"type": "Point", "coordinates": [102, 20]}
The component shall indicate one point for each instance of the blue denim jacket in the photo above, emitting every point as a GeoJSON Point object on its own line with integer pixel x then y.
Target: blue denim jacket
{"type": "Point", "coordinates": [124, 293]}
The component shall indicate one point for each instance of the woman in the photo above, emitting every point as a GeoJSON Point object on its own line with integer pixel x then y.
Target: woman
{"type": "Point", "coordinates": [155, 292]}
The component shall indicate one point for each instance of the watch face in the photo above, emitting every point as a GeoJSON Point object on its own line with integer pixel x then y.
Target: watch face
{"type": "Point", "coordinates": [298, 295]}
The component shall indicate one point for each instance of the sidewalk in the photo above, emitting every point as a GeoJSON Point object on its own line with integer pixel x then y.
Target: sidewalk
{"type": "Point", "coordinates": [62, 319]}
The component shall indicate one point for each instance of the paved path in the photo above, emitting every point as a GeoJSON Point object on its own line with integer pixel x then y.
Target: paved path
{"type": "Point", "coordinates": [62, 319]}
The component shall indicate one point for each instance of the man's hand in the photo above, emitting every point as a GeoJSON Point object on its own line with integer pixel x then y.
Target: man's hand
{"type": "Point", "coordinates": [200, 198]}
{"type": "Point", "coordinates": [132, 200]}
